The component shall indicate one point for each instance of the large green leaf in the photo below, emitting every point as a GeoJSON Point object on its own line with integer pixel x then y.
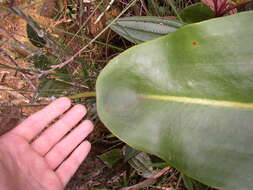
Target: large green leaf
{"type": "Point", "coordinates": [196, 13]}
{"type": "Point", "coordinates": [141, 29]}
{"type": "Point", "coordinates": [188, 98]}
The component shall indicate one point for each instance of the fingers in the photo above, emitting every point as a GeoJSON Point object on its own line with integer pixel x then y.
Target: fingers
{"type": "Point", "coordinates": [61, 150]}
{"type": "Point", "coordinates": [34, 124]}
{"type": "Point", "coordinates": [54, 133]}
{"type": "Point", "coordinates": [69, 166]}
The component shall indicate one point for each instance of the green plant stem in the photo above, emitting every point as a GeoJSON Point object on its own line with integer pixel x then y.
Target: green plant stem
{"type": "Point", "coordinates": [17, 69]}
{"type": "Point", "coordinates": [81, 37]}
{"type": "Point", "coordinates": [83, 95]}
{"type": "Point", "coordinates": [22, 105]}
{"type": "Point", "coordinates": [174, 9]}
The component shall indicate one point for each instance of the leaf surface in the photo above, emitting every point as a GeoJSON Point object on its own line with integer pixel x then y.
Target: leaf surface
{"type": "Point", "coordinates": [187, 97]}
{"type": "Point", "coordinates": [141, 29]}
{"type": "Point", "coordinates": [196, 13]}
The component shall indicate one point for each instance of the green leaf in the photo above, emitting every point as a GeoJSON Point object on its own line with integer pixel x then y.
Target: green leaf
{"type": "Point", "coordinates": [34, 37]}
{"type": "Point", "coordinates": [141, 29]}
{"type": "Point", "coordinates": [111, 157]}
{"type": "Point", "coordinates": [188, 98]}
{"type": "Point", "coordinates": [196, 13]}
{"type": "Point", "coordinates": [188, 182]}
{"type": "Point", "coordinates": [50, 87]}
{"type": "Point", "coordinates": [40, 62]}
{"type": "Point", "coordinates": [160, 165]}
{"type": "Point", "coordinates": [44, 62]}
{"type": "Point", "coordinates": [192, 184]}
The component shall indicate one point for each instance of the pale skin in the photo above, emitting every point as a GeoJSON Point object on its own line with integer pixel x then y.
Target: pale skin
{"type": "Point", "coordinates": [42, 155]}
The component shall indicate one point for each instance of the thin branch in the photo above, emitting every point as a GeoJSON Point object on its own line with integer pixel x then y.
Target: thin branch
{"type": "Point", "coordinates": [83, 95]}
{"type": "Point", "coordinates": [149, 181]}
{"type": "Point", "coordinates": [103, 13]}
{"type": "Point", "coordinates": [25, 71]}
{"type": "Point", "coordinates": [72, 84]}
{"type": "Point", "coordinates": [143, 4]}
{"type": "Point", "coordinates": [23, 105]}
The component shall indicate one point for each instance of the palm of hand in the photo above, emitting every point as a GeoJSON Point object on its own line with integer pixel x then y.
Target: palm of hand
{"type": "Point", "coordinates": [44, 162]}
{"type": "Point", "coordinates": [22, 159]}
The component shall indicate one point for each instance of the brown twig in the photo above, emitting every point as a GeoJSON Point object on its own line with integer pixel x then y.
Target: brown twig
{"type": "Point", "coordinates": [143, 4]}
{"type": "Point", "coordinates": [149, 181]}
{"type": "Point", "coordinates": [103, 13]}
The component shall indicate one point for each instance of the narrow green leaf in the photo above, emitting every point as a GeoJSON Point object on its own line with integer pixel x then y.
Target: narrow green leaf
{"type": "Point", "coordinates": [188, 182]}
{"type": "Point", "coordinates": [34, 38]}
{"type": "Point", "coordinates": [41, 62]}
{"type": "Point", "coordinates": [141, 29]}
{"type": "Point", "coordinates": [187, 98]}
{"type": "Point", "coordinates": [50, 87]}
{"type": "Point", "coordinates": [111, 157]}
{"type": "Point", "coordinates": [196, 13]}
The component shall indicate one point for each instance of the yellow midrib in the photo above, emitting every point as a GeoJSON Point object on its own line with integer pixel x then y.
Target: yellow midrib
{"type": "Point", "coordinates": [200, 101]}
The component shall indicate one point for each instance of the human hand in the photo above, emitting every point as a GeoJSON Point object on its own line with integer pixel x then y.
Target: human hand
{"type": "Point", "coordinates": [33, 161]}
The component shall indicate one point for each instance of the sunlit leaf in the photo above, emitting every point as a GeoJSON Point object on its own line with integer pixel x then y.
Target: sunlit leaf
{"type": "Point", "coordinates": [187, 98]}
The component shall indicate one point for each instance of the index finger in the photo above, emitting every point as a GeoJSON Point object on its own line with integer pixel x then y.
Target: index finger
{"type": "Point", "coordinates": [34, 124]}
